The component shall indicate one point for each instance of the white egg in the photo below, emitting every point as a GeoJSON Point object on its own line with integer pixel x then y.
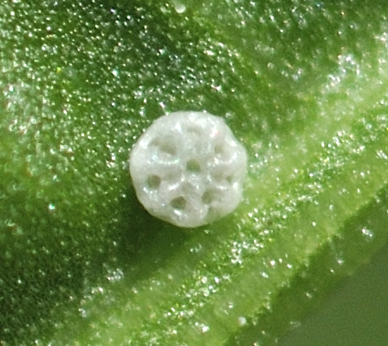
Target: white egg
{"type": "Point", "coordinates": [188, 168]}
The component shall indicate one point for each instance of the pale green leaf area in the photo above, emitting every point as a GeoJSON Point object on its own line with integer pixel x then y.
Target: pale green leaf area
{"type": "Point", "coordinates": [303, 85]}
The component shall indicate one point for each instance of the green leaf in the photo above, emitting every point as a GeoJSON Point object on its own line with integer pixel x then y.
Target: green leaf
{"type": "Point", "coordinates": [302, 85]}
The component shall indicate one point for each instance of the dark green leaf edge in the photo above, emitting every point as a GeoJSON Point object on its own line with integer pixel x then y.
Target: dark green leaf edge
{"type": "Point", "coordinates": [361, 237]}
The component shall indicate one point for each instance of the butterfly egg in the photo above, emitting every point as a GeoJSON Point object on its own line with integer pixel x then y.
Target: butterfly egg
{"type": "Point", "coordinates": [188, 168]}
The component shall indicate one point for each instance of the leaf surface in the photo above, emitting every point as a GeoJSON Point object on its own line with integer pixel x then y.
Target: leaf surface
{"type": "Point", "coordinates": [302, 86]}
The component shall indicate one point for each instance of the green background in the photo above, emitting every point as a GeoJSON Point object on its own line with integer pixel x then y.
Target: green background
{"type": "Point", "coordinates": [355, 313]}
{"type": "Point", "coordinates": [303, 87]}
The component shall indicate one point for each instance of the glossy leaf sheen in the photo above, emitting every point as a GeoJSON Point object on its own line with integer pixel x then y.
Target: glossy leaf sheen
{"type": "Point", "coordinates": [302, 86]}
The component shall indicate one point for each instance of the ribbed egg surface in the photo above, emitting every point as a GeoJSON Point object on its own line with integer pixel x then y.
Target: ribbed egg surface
{"type": "Point", "coordinates": [188, 168]}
